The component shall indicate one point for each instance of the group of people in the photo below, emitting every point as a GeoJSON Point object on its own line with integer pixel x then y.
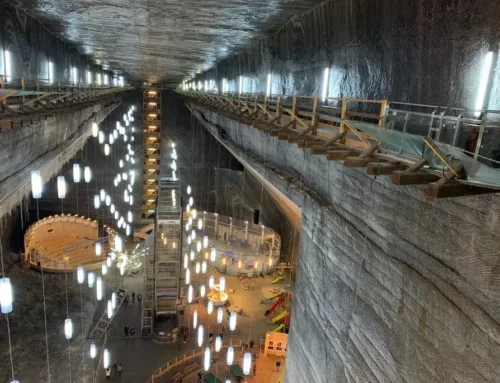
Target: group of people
{"type": "Point", "coordinates": [131, 298]}
{"type": "Point", "coordinates": [117, 367]}
{"type": "Point", "coordinates": [129, 331]}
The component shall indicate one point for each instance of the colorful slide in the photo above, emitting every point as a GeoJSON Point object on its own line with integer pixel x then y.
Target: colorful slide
{"type": "Point", "coordinates": [278, 302]}
{"type": "Point", "coordinates": [280, 316]}
{"type": "Point", "coordinates": [279, 279]}
{"type": "Point", "coordinates": [269, 299]}
{"type": "Point", "coordinates": [279, 328]}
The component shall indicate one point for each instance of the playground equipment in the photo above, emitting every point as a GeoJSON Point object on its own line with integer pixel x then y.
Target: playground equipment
{"type": "Point", "coordinates": [280, 316]}
{"type": "Point", "coordinates": [278, 279]}
{"type": "Point", "coordinates": [279, 328]}
{"type": "Point", "coordinates": [270, 298]}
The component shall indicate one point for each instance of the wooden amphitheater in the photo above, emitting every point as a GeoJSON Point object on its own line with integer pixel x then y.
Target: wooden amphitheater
{"type": "Point", "coordinates": [64, 242]}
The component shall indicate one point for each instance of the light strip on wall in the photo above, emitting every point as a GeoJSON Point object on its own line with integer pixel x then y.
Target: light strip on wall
{"type": "Point", "coordinates": [326, 83]}
{"type": "Point", "coordinates": [75, 75]}
{"type": "Point", "coordinates": [8, 65]}
{"type": "Point", "coordinates": [483, 84]}
{"type": "Point", "coordinates": [268, 85]}
{"type": "Point", "coordinates": [240, 86]}
{"type": "Point", "coordinates": [50, 72]}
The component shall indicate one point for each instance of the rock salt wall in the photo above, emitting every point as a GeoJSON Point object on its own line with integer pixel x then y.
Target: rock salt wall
{"type": "Point", "coordinates": [391, 287]}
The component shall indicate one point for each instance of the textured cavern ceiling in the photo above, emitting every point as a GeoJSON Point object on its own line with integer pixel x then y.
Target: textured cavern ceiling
{"type": "Point", "coordinates": [163, 40]}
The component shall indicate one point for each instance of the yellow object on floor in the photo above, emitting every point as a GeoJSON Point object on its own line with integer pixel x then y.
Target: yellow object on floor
{"type": "Point", "coordinates": [279, 328]}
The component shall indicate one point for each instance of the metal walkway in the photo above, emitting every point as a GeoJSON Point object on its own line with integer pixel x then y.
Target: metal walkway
{"type": "Point", "coordinates": [453, 151]}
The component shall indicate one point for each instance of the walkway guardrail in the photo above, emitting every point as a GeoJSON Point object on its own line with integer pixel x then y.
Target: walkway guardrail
{"type": "Point", "coordinates": [186, 357]}
{"type": "Point", "coordinates": [454, 151]}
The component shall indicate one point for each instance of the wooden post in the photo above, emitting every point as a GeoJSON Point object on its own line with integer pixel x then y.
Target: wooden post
{"type": "Point", "coordinates": [315, 116]}
{"type": "Point", "coordinates": [343, 116]}
{"type": "Point", "coordinates": [383, 110]}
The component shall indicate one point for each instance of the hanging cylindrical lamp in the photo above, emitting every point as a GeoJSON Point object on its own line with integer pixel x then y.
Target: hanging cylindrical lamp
{"type": "Point", "coordinates": [230, 356]}
{"type": "Point", "coordinates": [111, 139]}
{"type": "Point", "coordinates": [200, 224]}
{"type": "Point", "coordinates": [186, 260]}
{"type": "Point", "coordinates": [190, 293]}
{"type": "Point", "coordinates": [206, 359]}
{"type": "Point", "coordinates": [195, 318]}
{"type": "Point", "coordinates": [110, 309]}
{"type": "Point", "coordinates": [188, 276]}
{"type": "Point", "coordinates": [211, 281]}
{"type": "Point", "coordinates": [189, 240]}
{"type": "Point", "coordinates": [191, 255]}
{"type": "Point", "coordinates": [116, 215]}
{"type": "Point", "coordinates": [99, 288]}
{"type": "Point", "coordinates": [93, 351]}
{"type": "Point", "coordinates": [129, 216]}
{"type": "Point", "coordinates": [112, 208]}
{"type": "Point", "coordinates": [122, 268]}
{"type": "Point", "coordinates": [222, 284]}
{"type": "Point", "coordinates": [213, 253]}
{"type": "Point", "coordinates": [200, 335]}
{"type": "Point", "coordinates": [5, 295]}
{"type": "Point", "coordinates": [87, 174]}
{"type": "Point", "coordinates": [193, 234]}
{"type": "Point", "coordinates": [95, 129]}
{"type": "Point", "coordinates": [102, 195]}
{"type": "Point", "coordinates": [188, 190]}
{"type": "Point", "coordinates": [120, 163]}
{"type": "Point", "coordinates": [91, 279]}
{"type": "Point", "coordinates": [197, 267]}
{"type": "Point", "coordinates": [218, 344]}
{"type": "Point", "coordinates": [77, 173]}
{"type": "Point", "coordinates": [193, 213]}
{"type": "Point", "coordinates": [108, 261]}
{"type": "Point", "coordinates": [232, 321]}
{"type": "Point", "coordinates": [198, 246]}
{"type": "Point", "coordinates": [98, 249]}
{"type": "Point", "coordinates": [188, 208]}
{"type": "Point", "coordinates": [106, 358]}
{"type": "Point", "coordinates": [36, 184]}
{"type": "Point", "coordinates": [107, 149]}
{"type": "Point", "coordinates": [118, 244]}
{"type": "Point", "coordinates": [220, 315]}
{"type": "Point", "coordinates": [205, 241]}
{"type": "Point", "coordinates": [247, 363]}
{"type": "Point", "coordinates": [204, 267]}
{"type": "Point", "coordinates": [80, 275]}
{"type": "Point", "coordinates": [202, 291]}
{"type": "Point", "coordinates": [104, 269]}
{"type": "Point", "coordinates": [191, 201]}
{"type": "Point", "coordinates": [101, 137]}
{"type": "Point", "coordinates": [107, 200]}
{"type": "Point", "coordinates": [61, 187]}
{"type": "Point", "coordinates": [113, 301]}
{"type": "Point", "coordinates": [97, 201]}
{"type": "Point", "coordinates": [210, 307]}
{"type": "Point", "coordinates": [68, 328]}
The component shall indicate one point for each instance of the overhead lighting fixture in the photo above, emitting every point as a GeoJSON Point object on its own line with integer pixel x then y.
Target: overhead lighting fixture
{"type": "Point", "coordinates": [326, 82]}
{"type": "Point", "coordinates": [36, 184]}
{"type": "Point", "coordinates": [61, 187]}
{"type": "Point", "coordinates": [483, 84]}
{"type": "Point", "coordinates": [87, 174]}
{"type": "Point", "coordinates": [269, 84]}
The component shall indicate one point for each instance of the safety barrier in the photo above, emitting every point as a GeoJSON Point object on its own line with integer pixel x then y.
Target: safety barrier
{"type": "Point", "coordinates": [186, 357]}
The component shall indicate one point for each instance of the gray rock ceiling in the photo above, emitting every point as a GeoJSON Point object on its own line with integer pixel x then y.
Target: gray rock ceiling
{"type": "Point", "coordinates": [163, 40]}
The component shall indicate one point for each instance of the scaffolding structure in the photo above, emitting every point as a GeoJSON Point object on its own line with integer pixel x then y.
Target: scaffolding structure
{"type": "Point", "coordinates": [152, 147]}
{"type": "Point", "coordinates": [168, 247]}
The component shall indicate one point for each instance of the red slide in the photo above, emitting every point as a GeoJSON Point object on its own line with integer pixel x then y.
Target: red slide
{"type": "Point", "coordinates": [278, 302]}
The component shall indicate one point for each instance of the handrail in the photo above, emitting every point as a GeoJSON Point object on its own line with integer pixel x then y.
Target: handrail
{"type": "Point", "coordinates": [388, 138]}
{"type": "Point", "coordinates": [186, 357]}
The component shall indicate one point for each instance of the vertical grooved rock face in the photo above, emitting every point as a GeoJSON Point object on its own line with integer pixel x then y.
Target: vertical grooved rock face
{"type": "Point", "coordinates": [390, 287]}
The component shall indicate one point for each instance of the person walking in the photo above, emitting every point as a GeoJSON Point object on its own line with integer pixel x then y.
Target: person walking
{"type": "Point", "coordinates": [139, 298]}
{"type": "Point", "coordinates": [125, 330]}
{"type": "Point", "coordinates": [119, 370]}
{"type": "Point", "coordinates": [108, 373]}
{"type": "Point", "coordinates": [132, 332]}
{"type": "Point", "coordinates": [278, 365]}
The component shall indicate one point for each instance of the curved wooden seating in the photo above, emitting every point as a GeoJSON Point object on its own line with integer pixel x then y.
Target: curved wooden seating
{"type": "Point", "coordinates": [64, 241]}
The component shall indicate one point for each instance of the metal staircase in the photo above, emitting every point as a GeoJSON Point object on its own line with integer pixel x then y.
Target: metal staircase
{"type": "Point", "coordinates": [99, 330]}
